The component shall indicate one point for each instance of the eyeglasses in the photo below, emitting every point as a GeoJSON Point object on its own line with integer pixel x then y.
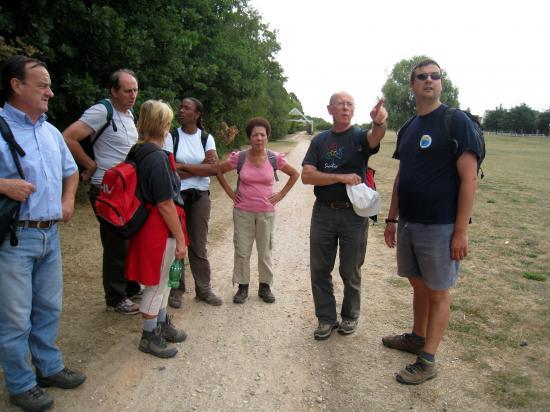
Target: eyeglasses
{"type": "Point", "coordinates": [344, 104]}
{"type": "Point", "coordinates": [424, 76]}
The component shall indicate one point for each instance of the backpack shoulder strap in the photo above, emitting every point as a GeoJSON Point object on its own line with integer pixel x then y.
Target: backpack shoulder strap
{"type": "Point", "coordinates": [447, 119]}
{"type": "Point", "coordinates": [240, 163]}
{"type": "Point", "coordinates": [109, 107]}
{"type": "Point", "coordinates": [240, 160]}
{"type": "Point", "coordinates": [272, 157]}
{"type": "Point", "coordinates": [405, 125]}
{"type": "Point", "coordinates": [204, 139]}
{"type": "Point", "coordinates": [175, 140]}
{"type": "Point", "coordinates": [109, 119]}
{"type": "Point", "coordinates": [14, 147]}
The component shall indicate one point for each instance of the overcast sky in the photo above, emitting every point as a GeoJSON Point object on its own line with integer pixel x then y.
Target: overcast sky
{"type": "Point", "coordinates": [495, 52]}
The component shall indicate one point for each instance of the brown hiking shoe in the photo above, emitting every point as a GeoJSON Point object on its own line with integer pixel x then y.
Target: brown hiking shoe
{"type": "Point", "coordinates": [265, 293]}
{"type": "Point", "coordinates": [417, 372]}
{"type": "Point", "coordinates": [209, 297]}
{"type": "Point", "coordinates": [402, 342]}
{"type": "Point", "coordinates": [324, 330]}
{"type": "Point", "coordinates": [155, 344]}
{"type": "Point", "coordinates": [241, 295]}
{"type": "Point", "coordinates": [169, 331]}
{"type": "Point", "coordinates": [35, 399]}
{"type": "Point", "coordinates": [175, 298]}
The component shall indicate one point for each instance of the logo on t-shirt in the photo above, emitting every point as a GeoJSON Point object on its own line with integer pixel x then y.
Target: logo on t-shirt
{"type": "Point", "coordinates": [333, 153]}
{"type": "Point", "coordinates": [425, 141]}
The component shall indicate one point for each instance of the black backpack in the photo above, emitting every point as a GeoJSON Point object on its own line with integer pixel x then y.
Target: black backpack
{"type": "Point", "coordinates": [176, 140]}
{"type": "Point", "coordinates": [9, 208]}
{"type": "Point", "coordinates": [448, 115]}
{"type": "Point", "coordinates": [87, 143]}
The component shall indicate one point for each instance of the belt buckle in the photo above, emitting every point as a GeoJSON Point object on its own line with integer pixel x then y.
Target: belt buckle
{"type": "Point", "coordinates": [46, 224]}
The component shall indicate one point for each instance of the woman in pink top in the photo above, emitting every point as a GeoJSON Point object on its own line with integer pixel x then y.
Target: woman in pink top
{"type": "Point", "coordinates": [254, 211]}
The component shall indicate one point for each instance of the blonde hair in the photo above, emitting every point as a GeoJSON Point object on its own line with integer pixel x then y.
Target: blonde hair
{"type": "Point", "coordinates": [155, 118]}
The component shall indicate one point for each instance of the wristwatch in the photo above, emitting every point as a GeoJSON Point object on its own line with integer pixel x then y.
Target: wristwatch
{"type": "Point", "coordinates": [391, 221]}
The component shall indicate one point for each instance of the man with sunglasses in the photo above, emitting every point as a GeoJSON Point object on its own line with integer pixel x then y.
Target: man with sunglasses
{"type": "Point", "coordinates": [335, 158]}
{"type": "Point", "coordinates": [112, 142]}
{"type": "Point", "coordinates": [432, 200]}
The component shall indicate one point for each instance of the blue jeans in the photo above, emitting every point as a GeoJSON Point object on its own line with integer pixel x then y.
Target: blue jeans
{"type": "Point", "coordinates": [31, 289]}
{"type": "Point", "coordinates": [331, 228]}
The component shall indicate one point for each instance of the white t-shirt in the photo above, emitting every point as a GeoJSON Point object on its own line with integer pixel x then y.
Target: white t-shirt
{"type": "Point", "coordinates": [112, 147]}
{"type": "Point", "coordinates": [190, 150]}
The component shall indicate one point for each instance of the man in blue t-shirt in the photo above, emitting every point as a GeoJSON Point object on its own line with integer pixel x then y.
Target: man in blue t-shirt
{"type": "Point", "coordinates": [335, 159]}
{"type": "Point", "coordinates": [433, 196]}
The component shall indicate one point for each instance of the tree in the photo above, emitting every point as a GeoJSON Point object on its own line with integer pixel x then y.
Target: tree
{"type": "Point", "coordinates": [216, 50]}
{"type": "Point", "coordinates": [496, 120]}
{"type": "Point", "coordinates": [400, 102]}
{"type": "Point", "coordinates": [522, 119]}
{"type": "Point", "coordinates": [543, 122]}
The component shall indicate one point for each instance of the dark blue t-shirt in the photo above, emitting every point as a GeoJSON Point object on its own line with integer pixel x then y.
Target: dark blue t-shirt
{"type": "Point", "coordinates": [332, 152]}
{"type": "Point", "coordinates": [157, 179]}
{"type": "Point", "coordinates": [428, 178]}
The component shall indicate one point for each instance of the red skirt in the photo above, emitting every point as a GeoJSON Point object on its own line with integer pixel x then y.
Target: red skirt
{"type": "Point", "coordinates": [146, 248]}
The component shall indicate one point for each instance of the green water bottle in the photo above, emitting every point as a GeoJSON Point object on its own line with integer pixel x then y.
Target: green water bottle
{"type": "Point", "coordinates": [176, 269]}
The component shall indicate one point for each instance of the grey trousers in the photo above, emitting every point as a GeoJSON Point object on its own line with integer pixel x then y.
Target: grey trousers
{"type": "Point", "coordinates": [329, 229]}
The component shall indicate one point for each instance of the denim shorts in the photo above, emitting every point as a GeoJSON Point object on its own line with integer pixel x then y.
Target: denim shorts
{"type": "Point", "coordinates": [425, 251]}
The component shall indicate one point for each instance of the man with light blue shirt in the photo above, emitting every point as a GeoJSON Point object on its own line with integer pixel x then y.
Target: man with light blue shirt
{"type": "Point", "coordinates": [31, 281]}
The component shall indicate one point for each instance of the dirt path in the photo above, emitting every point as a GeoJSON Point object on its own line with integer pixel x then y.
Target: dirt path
{"type": "Point", "coordinates": [253, 356]}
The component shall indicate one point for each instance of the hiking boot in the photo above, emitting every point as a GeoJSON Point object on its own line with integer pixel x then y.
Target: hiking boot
{"type": "Point", "coordinates": [402, 342]}
{"type": "Point", "coordinates": [155, 344]}
{"type": "Point", "coordinates": [417, 372]}
{"type": "Point", "coordinates": [170, 333]}
{"type": "Point", "coordinates": [175, 298]}
{"type": "Point", "coordinates": [324, 330]}
{"type": "Point", "coordinates": [65, 379]}
{"type": "Point", "coordinates": [265, 293]}
{"type": "Point", "coordinates": [34, 400]}
{"type": "Point", "coordinates": [209, 297]}
{"type": "Point", "coordinates": [347, 326]}
{"type": "Point", "coordinates": [126, 307]}
{"type": "Point", "coordinates": [241, 295]}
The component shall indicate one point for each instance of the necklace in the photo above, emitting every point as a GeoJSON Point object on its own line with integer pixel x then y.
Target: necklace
{"type": "Point", "coordinates": [123, 126]}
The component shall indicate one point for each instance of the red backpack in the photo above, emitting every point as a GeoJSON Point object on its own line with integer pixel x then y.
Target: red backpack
{"type": "Point", "coordinates": [120, 202]}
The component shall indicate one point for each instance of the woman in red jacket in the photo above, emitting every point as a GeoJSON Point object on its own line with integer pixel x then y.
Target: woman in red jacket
{"type": "Point", "coordinates": [153, 248]}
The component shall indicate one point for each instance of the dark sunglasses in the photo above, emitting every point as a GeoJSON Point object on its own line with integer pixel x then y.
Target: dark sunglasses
{"type": "Point", "coordinates": [424, 76]}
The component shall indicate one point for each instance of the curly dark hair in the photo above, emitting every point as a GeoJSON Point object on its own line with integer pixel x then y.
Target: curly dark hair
{"type": "Point", "coordinates": [257, 122]}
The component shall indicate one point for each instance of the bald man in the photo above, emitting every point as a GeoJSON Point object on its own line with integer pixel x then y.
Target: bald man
{"type": "Point", "coordinates": [336, 158]}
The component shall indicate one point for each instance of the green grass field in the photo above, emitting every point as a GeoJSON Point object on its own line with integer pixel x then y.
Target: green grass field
{"type": "Point", "coordinates": [501, 303]}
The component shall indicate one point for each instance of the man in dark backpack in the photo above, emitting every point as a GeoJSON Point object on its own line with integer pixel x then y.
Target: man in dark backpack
{"type": "Point", "coordinates": [113, 133]}
{"type": "Point", "coordinates": [333, 161]}
{"type": "Point", "coordinates": [432, 200]}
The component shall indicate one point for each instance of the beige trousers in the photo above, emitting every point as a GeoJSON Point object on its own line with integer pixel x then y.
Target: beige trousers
{"type": "Point", "coordinates": [250, 226]}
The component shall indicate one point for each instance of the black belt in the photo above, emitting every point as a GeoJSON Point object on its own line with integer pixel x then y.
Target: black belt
{"type": "Point", "coordinates": [36, 224]}
{"type": "Point", "coordinates": [338, 204]}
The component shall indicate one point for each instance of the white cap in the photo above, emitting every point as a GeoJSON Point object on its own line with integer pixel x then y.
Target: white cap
{"type": "Point", "coordinates": [365, 201]}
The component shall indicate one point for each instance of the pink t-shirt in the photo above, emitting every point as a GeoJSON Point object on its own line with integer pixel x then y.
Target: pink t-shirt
{"type": "Point", "coordinates": [256, 183]}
